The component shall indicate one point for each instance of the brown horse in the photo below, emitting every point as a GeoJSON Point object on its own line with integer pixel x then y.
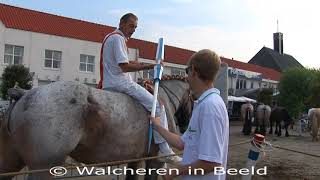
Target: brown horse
{"type": "Point", "coordinates": [62, 119]}
{"type": "Point", "coordinates": [314, 115]}
{"type": "Point", "coordinates": [278, 115]}
{"type": "Point", "coordinates": [246, 117]}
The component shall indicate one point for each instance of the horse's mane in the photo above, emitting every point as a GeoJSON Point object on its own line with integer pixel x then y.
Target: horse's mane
{"type": "Point", "coordinates": [148, 83]}
{"type": "Point", "coordinates": [182, 114]}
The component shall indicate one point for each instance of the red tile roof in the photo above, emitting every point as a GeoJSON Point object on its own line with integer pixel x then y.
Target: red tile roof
{"type": "Point", "coordinates": [35, 21]}
{"type": "Point", "coordinates": [266, 72]}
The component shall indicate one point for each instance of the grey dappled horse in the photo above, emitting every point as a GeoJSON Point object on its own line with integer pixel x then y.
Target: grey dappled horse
{"type": "Point", "coordinates": [62, 119]}
{"type": "Point", "coordinates": [262, 119]}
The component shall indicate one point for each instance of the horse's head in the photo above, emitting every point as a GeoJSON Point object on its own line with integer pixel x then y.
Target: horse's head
{"type": "Point", "coordinates": [183, 113]}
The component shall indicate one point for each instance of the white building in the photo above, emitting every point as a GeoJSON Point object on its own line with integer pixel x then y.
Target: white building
{"type": "Point", "coordinates": [60, 48]}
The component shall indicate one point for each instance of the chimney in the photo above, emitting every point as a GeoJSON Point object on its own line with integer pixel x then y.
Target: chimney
{"type": "Point", "coordinates": [278, 40]}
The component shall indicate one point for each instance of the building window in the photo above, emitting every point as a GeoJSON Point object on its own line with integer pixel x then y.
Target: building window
{"type": "Point", "coordinates": [86, 63]}
{"type": "Point", "coordinates": [178, 71]}
{"type": "Point", "coordinates": [241, 84]}
{"type": "Point", "coordinates": [13, 54]}
{"type": "Point", "coordinates": [238, 84]}
{"type": "Point", "coordinates": [252, 85]}
{"type": "Point", "coordinates": [52, 59]}
{"type": "Point", "coordinates": [147, 74]}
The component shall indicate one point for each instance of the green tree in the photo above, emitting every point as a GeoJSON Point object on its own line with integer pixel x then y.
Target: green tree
{"type": "Point", "coordinates": [314, 98]}
{"type": "Point", "coordinates": [13, 74]}
{"type": "Point", "coordinates": [265, 96]}
{"type": "Point", "coordinates": [295, 90]}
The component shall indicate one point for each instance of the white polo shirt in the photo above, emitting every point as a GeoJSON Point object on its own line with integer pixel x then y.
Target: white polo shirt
{"type": "Point", "coordinates": [115, 51]}
{"type": "Point", "coordinates": [207, 137]}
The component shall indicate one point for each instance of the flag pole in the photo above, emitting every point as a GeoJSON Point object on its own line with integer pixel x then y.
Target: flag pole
{"type": "Point", "coordinates": [158, 69]}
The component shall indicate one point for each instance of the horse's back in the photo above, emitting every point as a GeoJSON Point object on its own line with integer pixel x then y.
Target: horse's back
{"type": "Point", "coordinates": [62, 116]}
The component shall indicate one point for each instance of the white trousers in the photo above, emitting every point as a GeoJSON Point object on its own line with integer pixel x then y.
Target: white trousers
{"type": "Point", "coordinates": [146, 99]}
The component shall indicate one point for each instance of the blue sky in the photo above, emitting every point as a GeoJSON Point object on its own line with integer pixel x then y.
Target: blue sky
{"type": "Point", "coordinates": [234, 28]}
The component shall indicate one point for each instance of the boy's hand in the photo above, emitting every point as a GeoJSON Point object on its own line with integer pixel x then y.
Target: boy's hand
{"type": "Point", "coordinates": [155, 121]}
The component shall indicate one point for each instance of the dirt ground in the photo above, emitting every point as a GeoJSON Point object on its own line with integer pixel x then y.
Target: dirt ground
{"type": "Point", "coordinates": [281, 164]}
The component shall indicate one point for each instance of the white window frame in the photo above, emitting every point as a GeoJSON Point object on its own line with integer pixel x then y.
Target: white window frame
{"type": "Point", "coordinates": [52, 59]}
{"type": "Point", "coordinates": [13, 55]}
{"type": "Point", "coordinates": [86, 63]}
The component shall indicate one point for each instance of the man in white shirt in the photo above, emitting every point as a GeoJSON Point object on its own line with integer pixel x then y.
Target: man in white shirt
{"type": "Point", "coordinates": [205, 143]}
{"type": "Point", "coordinates": [114, 73]}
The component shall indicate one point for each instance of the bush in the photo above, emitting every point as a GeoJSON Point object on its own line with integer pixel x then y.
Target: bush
{"type": "Point", "coordinates": [13, 74]}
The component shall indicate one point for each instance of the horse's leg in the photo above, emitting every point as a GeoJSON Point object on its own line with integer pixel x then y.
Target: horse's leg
{"type": "Point", "coordinates": [249, 127]}
{"type": "Point", "coordinates": [153, 164]}
{"type": "Point", "coordinates": [247, 124]}
{"type": "Point", "coordinates": [257, 126]}
{"type": "Point", "coordinates": [263, 127]}
{"type": "Point", "coordinates": [134, 166]}
{"type": "Point", "coordinates": [10, 160]}
{"type": "Point", "coordinates": [45, 164]}
{"type": "Point", "coordinates": [286, 127]}
{"type": "Point", "coordinates": [245, 127]}
{"type": "Point", "coordinates": [10, 163]}
{"type": "Point", "coordinates": [42, 152]}
{"type": "Point", "coordinates": [271, 124]}
{"type": "Point", "coordinates": [276, 131]}
{"type": "Point", "coordinates": [279, 125]}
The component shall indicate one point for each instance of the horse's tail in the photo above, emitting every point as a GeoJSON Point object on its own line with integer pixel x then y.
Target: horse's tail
{"type": "Point", "coordinates": [94, 115]}
{"type": "Point", "coordinates": [6, 118]}
{"type": "Point", "coordinates": [248, 114]}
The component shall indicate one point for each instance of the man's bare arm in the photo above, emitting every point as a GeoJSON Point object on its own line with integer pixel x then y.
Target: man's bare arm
{"type": "Point", "coordinates": [133, 66]}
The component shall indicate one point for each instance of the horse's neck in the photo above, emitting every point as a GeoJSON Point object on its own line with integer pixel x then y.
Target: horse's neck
{"type": "Point", "coordinates": [172, 92]}
{"type": "Point", "coordinates": [174, 89]}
